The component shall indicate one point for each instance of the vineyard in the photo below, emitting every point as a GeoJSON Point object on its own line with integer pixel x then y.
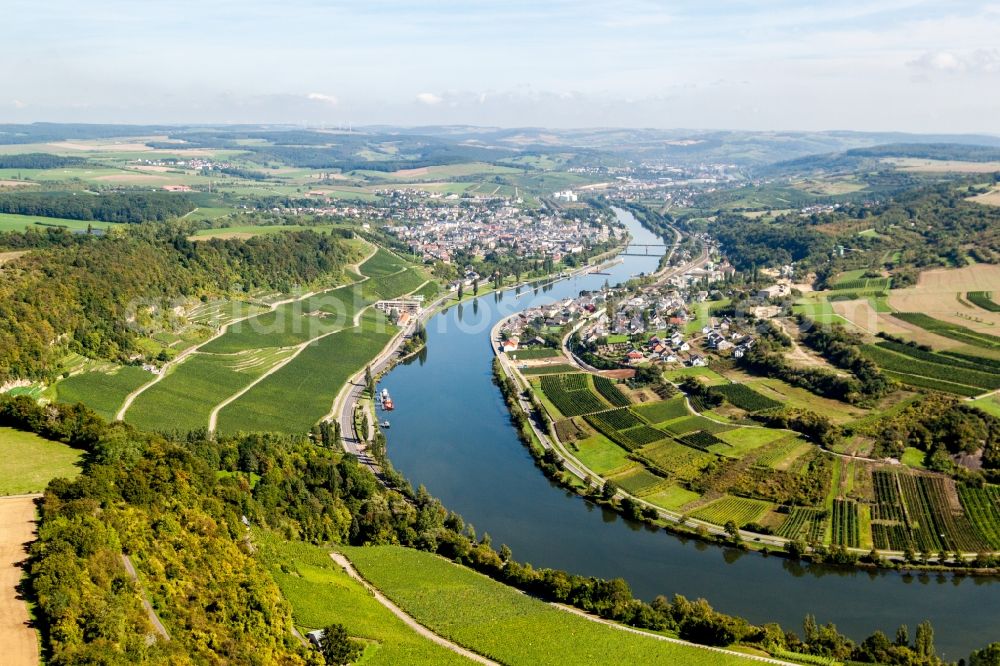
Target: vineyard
{"type": "Point", "coordinates": [949, 330]}
{"type": "Point", "coordinates": [737, 509]}
{"type": "Point", "coordinates": [917, 512]}
{"type": "Point", "coordinates": [991, 363]}
{"type": "Point", "coordinates": [702, 440]}
{"type": "Point", "coordinates": [744, 397]}
{"type": "Point", "coordinates": [982, 506]}
{"type": "Point", "coordinates": [639, 482]}
{"type": "Point", "coordinates": [845, 524]}
{"type": "Point", "coordinates": [946, 358]}
{"type": "Point", "coordinates": [905, 359]}
{"type": "Point", "coordinates": [805, 524]}
{"type": "Point", "coordinates": [610, 392]}
{"type": "Point", "coordinates": [554, 369]}
{"type": "Point", "coordinates": [935, 384]}
{"type": "Point", "coordinates": [625, 429]}
{"type": "Point", "coordinates": [983, 299]}
{"type": "Point", "coordinates": [692, 423]}
{"type": "Point", "coordinates": [571, 395]}
{"type": "Point", "coordinates": [616, 419]}
{"type": "Point", "coordinates": [862, 284]}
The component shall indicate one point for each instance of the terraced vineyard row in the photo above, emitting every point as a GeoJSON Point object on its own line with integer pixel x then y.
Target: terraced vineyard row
{"type": "Point", "coordinates": [983, 509]}
{"type": "Point", "coordinates": [864, 283]}
{"type": "Point", "coordinates": [616, 419]}
{"type": "Point", "coordinates": [701, 440]}
{"type": "Point", "coordinates": [915, 362]}
{"type": "Point", "coordinates": [981, 365]}
{"type": "Point", "coordinates": [610, 392]}
{"type": "Point", "coordinates": [570, 394]}
{"type": "Point", "coordinates": [737, 509]}
{"type": "Point", "coordinates": [744, 397]}
{"type": "Point", "coordinates": [931, 523]}
{"type": "Point", "coordinates": [949, 330]}
{"type": "Point", "coordinates": [935, 384]}
{"type": "Point", "coordinates": [983, 299]}
{"type": "Point", "coordinates": [845, 524]}
{"type": "Point", "coordinates": [805, 524]}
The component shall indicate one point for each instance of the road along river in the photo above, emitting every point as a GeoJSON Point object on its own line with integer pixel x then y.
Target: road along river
{"type": "Point", "coordinates": [451, 432]}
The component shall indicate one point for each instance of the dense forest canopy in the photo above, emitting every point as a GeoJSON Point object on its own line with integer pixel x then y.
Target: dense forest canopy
{"type": "Point", "coordinates": [111, 207]}
{"type": "Point", "coordinates": [82, 296]}
{"type": "Point", "coordinates": [38, 161]}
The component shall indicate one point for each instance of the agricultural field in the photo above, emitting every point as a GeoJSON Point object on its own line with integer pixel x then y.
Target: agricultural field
{"type": "Point", "coordinates": [550, 369]}
{"type": "Point", "coordinates": [638, 482]}
{"type": "Point", "coordinates": [740, 510]}
{"type": "Point", "coordinates": [922, 513]}
{"type": "Point", "coordinates": [602, 455]}
{"type": "Point", "coordinates": [918, 367]}
{"type": "Point", "coordinates": [664, 410]}
{"type": "Point", "coordinates": [298, 395]}
{"type": "Point", "coordinates": [610, 392]}
{"type": "Point", "coordinates": [680, 462]}
{"type": "Point", "coordinates": [844, 524]}
{"type": "Point", "coordinates": [533, 354]}
{"type": "Point", "coordinates": [984, 300]}
{"type": "Point", "coordinates": [805, 524]}
{"type": "Point", "coordinates": [12, 222]}
{"type": "Point", "coordinates": [744, 397]}
{"type": "Point", "coordinates": [184, 399]}
{"type": "Point", "coordinates": [321, 594]}
{"type": "Point", "coordinates": [688, 424]}
{"type": "Point", "coordinates": [488, 617]}
{"type": "Point", "coordinates": [672, 497]}
{"type": "Point", "coordinates": [102, 391]}
{"type": "Point", "coordinates": [28, 462]}
{"type": "Point", "coordinates": [950, 330]}
{"type": "Point", "coordinates": [571, 394]}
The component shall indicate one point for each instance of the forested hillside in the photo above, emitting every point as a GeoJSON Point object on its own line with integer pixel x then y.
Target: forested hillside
{"type": "Point", "coordinates": [112, 207]}
{"type": "Point", "coordinates": [83, 297]}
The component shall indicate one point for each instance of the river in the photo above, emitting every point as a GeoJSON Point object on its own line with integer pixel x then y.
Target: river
{"type": "Point", "coordinates": [451, 432]}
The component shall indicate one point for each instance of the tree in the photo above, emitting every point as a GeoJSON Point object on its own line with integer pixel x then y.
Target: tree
{"type": "Point", "coordinates": [903, 636]}
{"type": "Point", "coordinates": [337, 647]}
{"type": "Point", "coordinates": [924, 643]}
{"type": "Point", "coordinates": [988, 656]}
{"type": "Point", "coordinates": [461, 290]}
{"type": "Point", "coordinates": [369, 380]}
{"type": "Point", "coordinates": [475, 287]}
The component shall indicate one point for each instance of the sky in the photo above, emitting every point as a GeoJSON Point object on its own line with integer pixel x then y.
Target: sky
{"type": "Point", "coordinates": [882, 65]}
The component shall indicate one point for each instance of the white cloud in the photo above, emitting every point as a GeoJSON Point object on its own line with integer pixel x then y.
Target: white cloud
{"type": "Point", "coordinates": [320, 97]}
{"type": "Point", "coordinates": [430, 99]}
{"type": "Point", "coordinates": [979, 61]}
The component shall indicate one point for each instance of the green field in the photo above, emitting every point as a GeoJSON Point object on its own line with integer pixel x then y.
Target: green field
{"type": "Point", "coordinates": [602, 455]}
{"type": "Point", "coordinates": [321, 594]}
{"type": "Point", "coordinates": [298, 395]}
{"type": "Point", "coordinates": [949, 330]}
{"type": "Point", "coordinates": [665, 410]}
{"type": "Point", "coordinates": [11, 222]}
{"type": "Point", "coordinates": [28, 462]}
{"type": "Point", "coordinates": [104, 392]}
{"type": "Point", "coordinates": [503, 624]}
{"type": "Point", "coordinates": [672, 498]}
{"type": "Point", "coordinates": [533, 353]}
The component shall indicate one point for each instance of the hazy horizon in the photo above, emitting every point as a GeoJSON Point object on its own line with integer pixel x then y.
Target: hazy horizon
{"type": "Point", "coordinates": [896, 65]}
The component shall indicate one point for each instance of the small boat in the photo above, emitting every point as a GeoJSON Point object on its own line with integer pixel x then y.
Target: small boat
{"type": "Point", "coordinates": [385, 424]}
{"type": "Point", "coordinates": [387, 404]}
{"type": "Point", "coordinates": [385, 393]}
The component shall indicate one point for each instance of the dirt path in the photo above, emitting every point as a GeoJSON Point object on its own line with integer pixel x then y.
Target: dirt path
{"type": "Point", "coordinates": [407, 620]}
{"type": "Point", "coordinates": [17, 529]}
{"type": "Point", "coordinates": [153, 617]}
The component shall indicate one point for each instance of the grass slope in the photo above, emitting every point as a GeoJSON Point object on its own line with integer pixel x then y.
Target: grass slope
{"type": "Point", "coordinates": [28, 462]}
{"type": "Point", "coordinates": [322, 594]}
{"type": "Point", "coordinates": [504, 624]}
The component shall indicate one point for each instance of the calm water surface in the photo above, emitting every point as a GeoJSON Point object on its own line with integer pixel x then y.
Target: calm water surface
{"type": "Point", "coordinates": [451, 432]}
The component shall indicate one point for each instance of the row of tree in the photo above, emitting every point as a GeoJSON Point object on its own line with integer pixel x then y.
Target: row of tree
{"type": "Point", "coordinates": [129, 207]}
